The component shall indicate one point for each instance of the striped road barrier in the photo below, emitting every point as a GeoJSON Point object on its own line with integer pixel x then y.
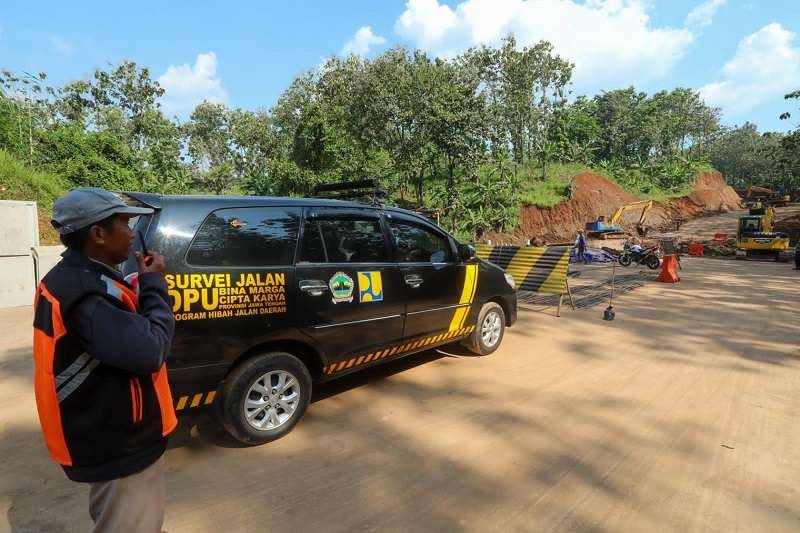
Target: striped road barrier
{"type": "Point", "coordinates": [541, 269]}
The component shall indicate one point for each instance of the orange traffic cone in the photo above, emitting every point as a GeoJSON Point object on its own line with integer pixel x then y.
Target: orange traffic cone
{"type": "Point", "coordinates": [669, 270]}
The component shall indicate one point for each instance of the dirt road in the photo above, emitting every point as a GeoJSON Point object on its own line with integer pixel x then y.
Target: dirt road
{"type": "Point", "coordinates": [702, 229]}
{"type": "Point", "coordinates": [681, 415]}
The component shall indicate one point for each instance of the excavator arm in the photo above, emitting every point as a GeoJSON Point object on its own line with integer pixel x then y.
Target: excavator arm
{"type": "Point", "coordinates": [769, 219]}
{"type": "Point", "coordinates": [646, 209]}
{"type": "Point", "coordinates": [633, 205]}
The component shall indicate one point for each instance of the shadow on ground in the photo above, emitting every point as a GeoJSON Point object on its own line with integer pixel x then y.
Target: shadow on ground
{"type": "Point", "coordinates": [444, 442]}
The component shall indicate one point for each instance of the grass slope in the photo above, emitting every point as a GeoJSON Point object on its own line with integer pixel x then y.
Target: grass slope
{"type": "Point", "coordinates": [556, 187]}
{"type": "Point", "coordinates": [20, 182]}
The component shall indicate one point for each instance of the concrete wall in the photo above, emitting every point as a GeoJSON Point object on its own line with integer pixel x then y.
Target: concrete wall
{"type": "Point", "coordinates": [19, 227]}
{"type": "Point", "coordinates": [45, 258]}
{"type": "Point", "coordinates": [19, 233]}
{"type": "Point", "coordinates": [17, 281]}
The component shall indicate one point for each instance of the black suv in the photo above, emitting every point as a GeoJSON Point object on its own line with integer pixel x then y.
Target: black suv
{"type": "Point", "coordinates": [274, 294]}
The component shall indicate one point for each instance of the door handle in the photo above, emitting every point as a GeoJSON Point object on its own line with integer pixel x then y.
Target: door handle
{"type": "Point", "coordinates": [314, 287]}
{"type": "Point", "coordinates": [413, 280]}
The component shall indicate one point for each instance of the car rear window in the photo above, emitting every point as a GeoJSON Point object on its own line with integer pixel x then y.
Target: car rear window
{"type": "Point", "coordinates": [246, 237]}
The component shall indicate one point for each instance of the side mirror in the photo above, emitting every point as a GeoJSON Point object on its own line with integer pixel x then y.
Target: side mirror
{"type": "Point", "coordinates": [466, 252]}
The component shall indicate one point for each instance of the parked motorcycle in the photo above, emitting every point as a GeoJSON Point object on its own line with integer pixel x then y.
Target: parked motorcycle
{"type": "Point", "coordinates": [641, 256]}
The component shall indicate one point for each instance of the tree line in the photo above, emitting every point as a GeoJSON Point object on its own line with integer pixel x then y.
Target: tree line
{"type": "Point", "coordinates": [461, 136]}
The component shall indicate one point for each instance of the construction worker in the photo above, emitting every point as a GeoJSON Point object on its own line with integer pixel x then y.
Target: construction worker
{"type": "Point", "coordinates": [104, 403]}
{"type": "Point", "coordinates": [580, 246]}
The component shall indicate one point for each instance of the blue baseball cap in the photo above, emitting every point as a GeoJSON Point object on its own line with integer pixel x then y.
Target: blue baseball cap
{"type": "Point", "coordinates": [83, 207]}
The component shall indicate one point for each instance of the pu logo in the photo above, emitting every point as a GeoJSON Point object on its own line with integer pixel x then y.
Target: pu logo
{"type": "Point", "coordinates": [370, 287]}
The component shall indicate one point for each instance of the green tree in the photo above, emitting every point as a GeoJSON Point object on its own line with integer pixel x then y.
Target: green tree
{"type": "Point", "coordinates": [576, 131]}
{"type": "Point", "coordinates": [745, 156]}
{"type": "Point", "coordinates": [621, 115]}
{"type": "Point", "coordinates": [794, 95]}
{"type": "Point", "coordinates": [254, 142]}
{"type": "Point", "coordinates": [789, 160]}
{"type": "Point", "coordinates": [24, 99]}
{"type": "Point", "coordinates": [160, 158]}
{"type": "Point", "coordinates": [89, 159]}
{"type": "Point", "coordinates": [209, 146]}
{"type": "Point", "coordinates": [452, 114]}
{"type": "Point", "coordinates": [523, 89]}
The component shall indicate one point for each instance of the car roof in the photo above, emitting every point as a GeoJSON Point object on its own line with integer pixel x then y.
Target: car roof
{"type": "Point", "coordinates": [159, 201]}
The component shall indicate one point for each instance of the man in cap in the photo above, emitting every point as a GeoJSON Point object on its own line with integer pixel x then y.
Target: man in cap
{"type": "Point", "coordinates": [580, 246]}
{"type": "Point", "coordinates": [99, 347]}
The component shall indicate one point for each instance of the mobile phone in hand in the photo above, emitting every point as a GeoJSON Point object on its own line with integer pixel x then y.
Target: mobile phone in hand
{"type": "Point", "coordinates": [147, 258]}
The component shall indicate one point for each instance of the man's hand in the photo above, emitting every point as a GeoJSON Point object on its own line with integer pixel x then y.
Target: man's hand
{"type": "Point", "coordinates": [153, 262]}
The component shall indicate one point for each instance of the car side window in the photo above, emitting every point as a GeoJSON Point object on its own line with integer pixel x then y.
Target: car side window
{"type": "Point", "coordinates": [247, 237]}
{"type": "Point", "coordinates": [349, 240]}
{"type": "Point", "coordinates": [312, 249]}
{"type": "Point", "coordinates": [416, 244]}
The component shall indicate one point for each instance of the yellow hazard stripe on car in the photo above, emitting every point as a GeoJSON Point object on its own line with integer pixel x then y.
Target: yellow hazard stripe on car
{"type": "Point", "coordinates": [195, 400]}
{"type": "Point", "coordinates": [399, 349]}
{"type": "Point", "coordinates": [467, 295]}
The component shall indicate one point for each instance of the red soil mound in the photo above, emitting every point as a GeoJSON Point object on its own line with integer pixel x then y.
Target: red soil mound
{"type": "Point", "coordinates": [713, 193]}
{"type": "Point", "coordinates": [788, 224]}
{"type": "Point", "coordinates": [594, 195]}
{"type": "Point", "coordinates": [664, 215]}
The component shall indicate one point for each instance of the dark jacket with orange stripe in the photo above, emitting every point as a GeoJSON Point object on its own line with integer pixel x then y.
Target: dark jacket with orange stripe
{"type": "Point", "coordinates": [101, 383]}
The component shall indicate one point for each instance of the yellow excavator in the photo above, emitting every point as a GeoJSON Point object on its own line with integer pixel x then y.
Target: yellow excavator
{"type": "Point", "coordinates": [756, 237]}
{"type": "Point", "coordinates": [756, 197]}
{"type": "Point", "coordinates": [606, 229]}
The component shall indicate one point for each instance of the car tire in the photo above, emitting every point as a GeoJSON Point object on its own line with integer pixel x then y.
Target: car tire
{"type": "Point", "coordinates": [246, 406]}
{"type": "Point", "coordinates": [489, 330]}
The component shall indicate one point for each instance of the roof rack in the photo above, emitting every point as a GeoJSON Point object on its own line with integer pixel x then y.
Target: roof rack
{"type": "Point", "coordinates": [364, 191]}
{"type": "Point", "coordinates": [429, 213]}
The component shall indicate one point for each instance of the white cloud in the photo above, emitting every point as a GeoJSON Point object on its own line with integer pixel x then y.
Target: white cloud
{"type": "Point", "coordinates": [362, 41]}
{"type": "Point", "coordinates": [61, 45]}
{"type": "Point", "coordinates": [186, 85]}
{"type": "Point", "coordinates": [703, 15]}
{"type": "Point", "coordinates": [426, 22]}
{"type": "Point", "coordinates": [766, 65]}
{"type": "Point", "coordinates": [610, 41]}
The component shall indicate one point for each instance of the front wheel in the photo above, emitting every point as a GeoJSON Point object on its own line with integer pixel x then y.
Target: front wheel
{"type": "Point", "coordinates": [652, 262]}
{"type": "Point", "coordinates": [625, 260]}
{"type": "Point", "coordinates": [264, 397]}
{"type": "Point", "coordinates": [489, 330]}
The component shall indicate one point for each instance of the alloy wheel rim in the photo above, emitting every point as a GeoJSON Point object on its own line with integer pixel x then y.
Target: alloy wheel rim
{"type": "Point", "coordinates": [491, 329]}
{"type": "Point", "coordinates": [272, 400]}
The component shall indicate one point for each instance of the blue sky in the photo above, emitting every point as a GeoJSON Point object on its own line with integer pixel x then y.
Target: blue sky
{"type": "Point", "coordinates": [743, 55]}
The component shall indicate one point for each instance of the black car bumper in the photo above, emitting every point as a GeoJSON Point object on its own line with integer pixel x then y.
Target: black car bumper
{"type": "Point", "coordinates": [510, 307]}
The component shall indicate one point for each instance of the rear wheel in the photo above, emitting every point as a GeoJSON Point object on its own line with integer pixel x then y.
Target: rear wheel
{"type": "Point", "coordinates": [264, 397]}
{"type": "Point", "coordinates": [489, 330]}
{"type": "Point", "coordinates": [652, 262]}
